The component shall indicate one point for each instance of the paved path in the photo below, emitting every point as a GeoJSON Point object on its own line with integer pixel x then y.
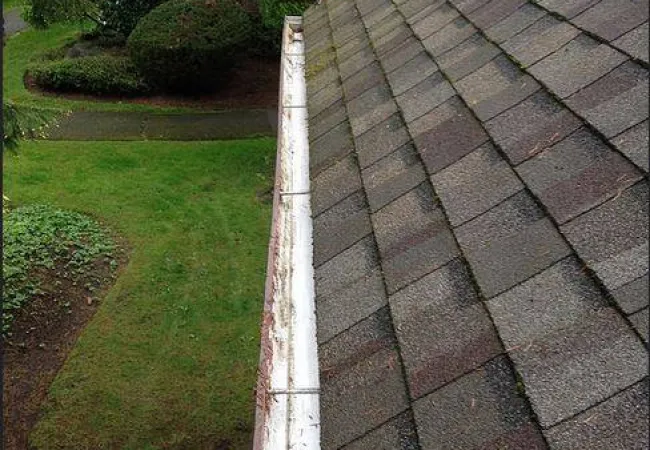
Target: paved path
{"type": "Point", "coordinates": [13, 23]}
{"type": "Point", "coordinates": [127, 126]}
{"type": "Point", "coordinates": [130, 126]}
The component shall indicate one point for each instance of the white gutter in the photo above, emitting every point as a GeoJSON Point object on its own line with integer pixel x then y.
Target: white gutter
{"type": "Point", "coordinates": [287, 414]}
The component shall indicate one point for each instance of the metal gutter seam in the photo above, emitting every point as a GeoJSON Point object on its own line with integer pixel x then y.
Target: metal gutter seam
{"type": "Point", "coordinates": [288, 411]}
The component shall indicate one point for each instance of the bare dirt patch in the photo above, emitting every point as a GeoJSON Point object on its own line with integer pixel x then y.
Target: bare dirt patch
{"type": "Point", "coordinates": [42, 335]}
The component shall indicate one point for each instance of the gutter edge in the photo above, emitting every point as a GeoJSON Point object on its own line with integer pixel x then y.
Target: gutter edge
{"type": "Point", "coordinates": [288, 390]}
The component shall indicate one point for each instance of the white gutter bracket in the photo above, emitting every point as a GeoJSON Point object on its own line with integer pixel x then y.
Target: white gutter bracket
{"type": "Point", "coordinates": [288, 415]}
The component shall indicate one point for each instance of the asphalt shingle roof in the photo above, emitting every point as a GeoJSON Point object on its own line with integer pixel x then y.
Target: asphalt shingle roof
{"type": "Point", "coordinates": [480, 202]}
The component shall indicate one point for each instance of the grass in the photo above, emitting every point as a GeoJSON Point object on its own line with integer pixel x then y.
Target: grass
{"type": "Point", "coordinates": [10, 4]}
{"type": "Point", "coordinates": [21, 48]}
{"type": "Point", "coordinates": [170, 358]}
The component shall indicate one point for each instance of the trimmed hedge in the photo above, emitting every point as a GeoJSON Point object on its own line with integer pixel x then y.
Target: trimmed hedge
{"type": "Point", "coordinates": [186, 45]}
{"type": "Point", "coordinates": [99, 75]}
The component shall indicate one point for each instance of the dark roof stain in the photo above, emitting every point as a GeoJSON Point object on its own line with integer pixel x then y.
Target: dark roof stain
{"type": "Point", "coordinates": [480, 203]}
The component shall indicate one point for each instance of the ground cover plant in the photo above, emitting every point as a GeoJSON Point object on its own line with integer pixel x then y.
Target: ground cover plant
{"type": "Point", "coordinates": [39, 240]}
{"type": "Point", "coordinates": [169, 359]}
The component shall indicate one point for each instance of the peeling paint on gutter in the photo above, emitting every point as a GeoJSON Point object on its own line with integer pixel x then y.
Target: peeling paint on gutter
{"type": "Point", "coordinates": [287, 413]}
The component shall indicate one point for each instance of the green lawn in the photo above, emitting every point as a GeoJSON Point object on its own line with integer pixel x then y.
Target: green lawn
{"type": "Point", "coordinates": [21, 48]}
{"type": "Point", "coordinates": [170, 358]}
{"type": "Point", "coordinates": [9, 4]}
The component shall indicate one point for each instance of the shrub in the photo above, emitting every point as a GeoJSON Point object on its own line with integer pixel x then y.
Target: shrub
{"type": "Point", "coordinates": [264, 42]}
{"type": "Point", "coordinates": [122, 16]}
{"type": "Point", "coordinates": [186, 45]}
{"type": "Point", "coordinates": [101, 74]}
{"type": "Point", "coordinates": [104, 38]}
{"type": "Point", "coordinates": [273, 12]}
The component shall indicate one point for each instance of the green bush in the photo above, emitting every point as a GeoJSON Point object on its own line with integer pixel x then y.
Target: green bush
{"type": "Point", "coordinates": [273, 12]}
{"type": "Point", "coordinates": [187, 45]}
{"type": "Point", "coordinates": [101, 75]}
{"type": "Point", "coordinates": [122, 16]}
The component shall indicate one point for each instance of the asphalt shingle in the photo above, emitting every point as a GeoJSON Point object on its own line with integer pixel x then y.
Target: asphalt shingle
{"type": "Point", "coordinates": [392, 176]}
{"type": "Point", "coordinates": [610, 19]}
{"type": "Point", "coordinates": [353, 274]}
{"type": "Point", "coordinates": [616, 102]}
{"type": "Point", "coordinates": [390, 23]}
{"type": "Point", "coordinates": [446, 134]}
{"type": "Point", "coordinates": [352, 47]}
{"type": "Point", "coordinates": [467, 6]}
{"type": "Point", "coordinates": [633, 143]}
{"type": "Point", "coordinates": [377, 15]}
{"type": "Point", "coordinates": [635, 42]}
{"type": "Point", "coordinates": [381, 140]}
{"type": "Point", "coordinates": [532, 126]}
{"type": "Point", "coordinates": [326, 120]}
{"type": "Point", "coordinates": [539, 40]}
{"type": "Point", "coordinates": [449, 36]}
{"type": "Point", "coordinates": [633, 296]}
{"type": "Point", "coordinates": [401, 54]}
{"type": "Point", "coordinates": [495, 87]}
{"type": "Point", "coordinates": [411, 73]}
{"type": "Point", "coordinates": [640, 322]}
{"type": "Point", "coordinates": [356, 62]}
{"type": "Point", "coordinates": [567, 8]}
{"type": "Point", "coordinates": [493, 12]}
{"type": "Point", "coordinates": [577, 174]}
{"type": "Point", "coordinates": [475, 184]}
{"type": "Point", "coordinates": [437, 18]}
{"type": "Point", "coordinates": [357, 398]}
{"type": "Point", "coordinates": [330, 147]}
{"type": "Point", "coordinates": [514, 23]}
{"type": "Point", "coordinates": [571, 349]}
{"type": "Point", "coordinates": [413, 7]}
{"type": "Point", "coordinates": [402, 95]}
{"type": "Point", "coordinates": [480, 410]}
{"type": "Point", "coordinates": [599, 428]}
{"type": "Point", "coordinates": [340, 226]}
{"type": "Point", "coordinates": [509, 244]}
{"type": "Point", "coordinates": [613, 238]}
{"type": "Point", "coordinates": [465, 58]}
{"type": "Point", "coordinates": [413, 237]}
{"type": "Point", "coordinates": [576, 65]}
{"type": "Point", "coordinates": [361, 81]}
{"type": "Point", "coordinates": [324, 98]}
{"type": "Point", "coordinates": [392, 39]}
{"type": "Point", "coordinates": [425, 96]}
{"type": "Point", "coordinates": [398, 433]}
{"type": "Point", "coordinates": [371, 108]}
{"type": "Point", "coordinates": [442, 328]}
{"type": "Point", "coordinates": [334, 184]}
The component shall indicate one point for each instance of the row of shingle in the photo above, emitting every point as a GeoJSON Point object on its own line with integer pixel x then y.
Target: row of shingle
{"type": "Point", "coordinates": [455, 186]}
{"type": "Point", "coordinates": [396, 34]}
{"type": "Point", "coordinates": [443, 335]}
{"type": "Point", "coordinates": [361, 374]}
{"type": "Point", "coordinates": [384, 182]}
{"type": "Point", "coordinates": [615, 105]}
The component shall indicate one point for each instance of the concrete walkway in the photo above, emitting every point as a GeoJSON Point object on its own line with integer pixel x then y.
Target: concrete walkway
{"type": "Point", "coordinates": [130, 126]}
{"type": "Point", "coordinates": [13, 23]}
